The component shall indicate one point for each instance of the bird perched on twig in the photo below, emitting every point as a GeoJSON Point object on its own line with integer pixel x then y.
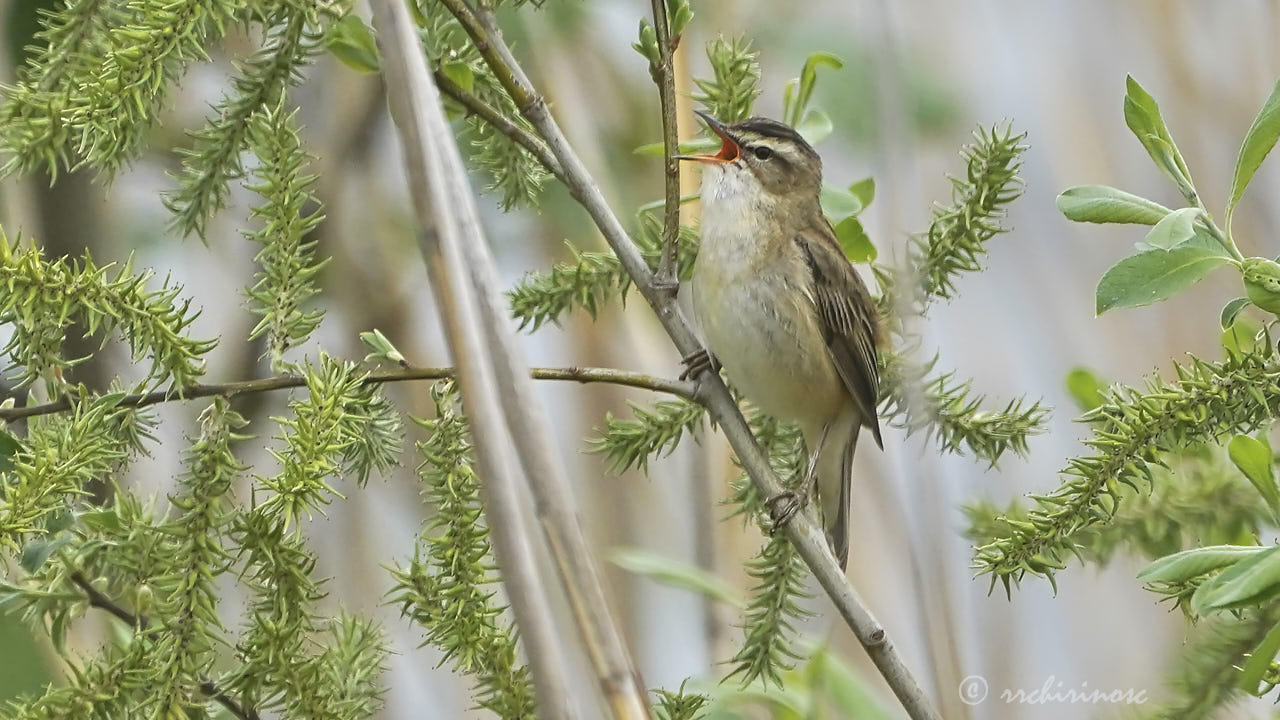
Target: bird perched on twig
{"type": "Point", "coordinates": [782, 309]}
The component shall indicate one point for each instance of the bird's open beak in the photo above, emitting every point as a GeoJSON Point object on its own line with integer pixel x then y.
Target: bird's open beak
{"type": "Point", "coordinates": [729, 148]}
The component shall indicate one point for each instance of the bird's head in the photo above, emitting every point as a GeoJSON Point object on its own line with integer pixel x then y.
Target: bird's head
{"type": "Point", "coordinates": [759, 155]}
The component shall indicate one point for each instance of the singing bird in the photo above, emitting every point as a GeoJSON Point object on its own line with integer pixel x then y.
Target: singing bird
{"type": "Point", "coordinates": [781, 308]}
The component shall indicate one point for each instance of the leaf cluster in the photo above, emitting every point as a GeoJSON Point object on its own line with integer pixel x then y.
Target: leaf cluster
{"type": "Point", "coordinates": [159, 574]}
{"type": "Point", "coordinates": [950, 414]}
{"type": "Point", "coordinates": [288, 266]}
{"type": "Point", "coordinates": [1134, 430]}
{"type": "Point", "coordinates": [591, 280]}
{"type": "Point", "coordinates": [957, 238]}
{"type": "Point", "coordinates": [734, 83]}
{"type": "Point", "coordinates": [293, 33]}
{"type": "Point", "coordinates": [53, 465]}
{"type": "Point", "coordinates": [514, 173]}
{"type": "Point", "coordinates": [343, 426]}
{"type": "Point", "coordinates": [1195, 498]}
{"type": "Point", "coordinates": [43, 299]}
{"type": "Point", "coordinates": [445, 588]}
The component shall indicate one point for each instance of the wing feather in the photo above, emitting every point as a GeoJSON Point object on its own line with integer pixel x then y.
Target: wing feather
{"type": "Point", "coordinates": [847, 316]}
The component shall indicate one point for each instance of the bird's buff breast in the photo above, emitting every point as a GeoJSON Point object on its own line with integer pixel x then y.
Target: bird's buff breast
{"type": "Point", "coordinates": [758, 322]}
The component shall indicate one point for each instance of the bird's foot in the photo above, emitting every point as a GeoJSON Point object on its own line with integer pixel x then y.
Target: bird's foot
{"type": "Point", "coordinates": [697, 361]}
{"type": "Point", "coordinates": [784, 506]}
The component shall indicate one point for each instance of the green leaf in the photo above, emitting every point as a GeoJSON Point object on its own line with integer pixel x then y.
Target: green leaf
{"type": "Point", "coordinates": [796, 94]}
{"type": "Point", "coordinates": [1258, 142]}
{"type": "Point", "coordinates": [681, 16]}
{"type": "Point", "coordinates": [9, 445]}
{"type": "Point", "coordinates": [382, 348]}
{"type": "Point", "coordinates": [460, 73]}
{"type": "Point", "coordinates": [809, 74]}
{"type": "Point", "coordinates": [351, 41]}
{"type": "Point", "coordinates": [675, 573]}
{"type": "Point", "coordinates": [1168, 159]}
{"type": "Point", "coordinates": [1153, 276]}
{"type": "Point", "coordinates": [864, 190]}
{"type": "Point", "coordinates": [685, 148]}
{"type": "Point", "coordinates": [1102, 204]}
{"type": "Point", "coordinates": [37, 552]}
{"type": "Point", "coordinates": [1245, 583]}
{"type": "Point", "coordinates": [1191, 564]}
{"type": "Point", "coordinates": [105, 520]}
{"type": "Point", "coordinates": [1174, 229]}
{"type": "Point", "coordinates": [1085, 388]}
{"type": "Point", "coordinates": [1142, 115]}
{"type": "Point", "coordinates": [815, 127]}
{"type": "Point", "coordinates": [1231, 310]}
{"type": "Point", "coordinates": [647, 45]}
{"type": "Point", "coordinates": [838, 203]}
{"type": "Point", "coordinates": [59, 521]}
{"type": "Point", "coordinates": [1255, 459]}
{"type": "Point", "coordinates": [854, 241]}
{"type": "Point", "coordinates": [1259, 662]}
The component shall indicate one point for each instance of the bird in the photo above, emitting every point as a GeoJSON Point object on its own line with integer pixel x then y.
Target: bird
{"type": "Point", "coordinates": [783, 311]}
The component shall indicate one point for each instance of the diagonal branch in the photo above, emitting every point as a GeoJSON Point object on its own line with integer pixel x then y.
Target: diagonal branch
{"type": "Point", "coordinates": [808, 539]}
{"type": "Point", "coordinates": [498, 121]}
{"type": "Point", "coordinates": [99, 600]}
{"type": "Point", "coordinates": [663, 75]}
{"type": "Point", "coordinates": [582, 375]}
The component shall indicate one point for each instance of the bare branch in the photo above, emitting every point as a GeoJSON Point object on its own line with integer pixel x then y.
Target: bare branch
{"type": "Point", "coordinates": [809, 540]}
{"type": "Point", "coordinates": [663, 75]}
{"type": "Point", "coordinates": [582, 375]}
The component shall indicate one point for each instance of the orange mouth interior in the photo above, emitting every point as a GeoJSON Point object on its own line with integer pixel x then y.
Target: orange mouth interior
{"type": "Point", "coordinates": [729, 150]}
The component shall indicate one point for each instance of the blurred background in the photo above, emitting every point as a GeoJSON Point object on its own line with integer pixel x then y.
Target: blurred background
{"type": "Point", "coordinates": [919, 75]}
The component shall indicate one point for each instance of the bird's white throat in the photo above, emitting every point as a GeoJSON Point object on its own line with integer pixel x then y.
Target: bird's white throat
{"type": "Point", "coordinates": [733, 203]}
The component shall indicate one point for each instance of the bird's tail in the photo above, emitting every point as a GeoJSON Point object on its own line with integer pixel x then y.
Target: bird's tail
{"type": "Point", "coordinates": [835, 480]}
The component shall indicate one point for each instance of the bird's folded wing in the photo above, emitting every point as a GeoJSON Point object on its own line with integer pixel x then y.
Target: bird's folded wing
{"type": "Point", "coordinates": [846, 315]}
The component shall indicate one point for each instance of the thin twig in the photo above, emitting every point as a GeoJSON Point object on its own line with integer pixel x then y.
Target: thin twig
{"type": "Point", "coordinates": [498, 121]}
{"type": "Point", "coordinates": [100, 600]}
{"type": "Point", "coordinates": [663, 75]}
{"type": "Point", "coordinates": [583, 375]}
{"type": "Point", "coordinates": [808, 539]}
{"type": "Point", "coordinates": [447, 213]}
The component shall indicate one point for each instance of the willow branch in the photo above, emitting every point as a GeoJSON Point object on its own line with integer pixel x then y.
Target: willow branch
{"type": "Point", "coordinates": [663, 75]}
{"type": "Point", "coordinates": [583, 375]}
{"type": "Point", "coordinates": [808, 539]}
{"type": "Point", "coordinates": [99, 600]}
{"type": "Point", "coordinates": [498, 121]}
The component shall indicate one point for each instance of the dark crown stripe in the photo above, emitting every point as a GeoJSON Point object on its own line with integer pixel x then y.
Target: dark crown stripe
{"type": "Point", "coordinates": [773, 129]}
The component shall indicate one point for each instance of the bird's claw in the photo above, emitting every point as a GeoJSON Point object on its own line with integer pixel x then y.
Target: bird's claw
{"type": "Point", "coordinates": [784, 506]}
{"type": "Point", "coordinates": [697, 361]}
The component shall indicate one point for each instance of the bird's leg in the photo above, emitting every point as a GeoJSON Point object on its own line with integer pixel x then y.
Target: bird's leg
{"type": "Point", "coordinates": [697, 361]}
{"type": "Point", "coordinates": [785, 505]}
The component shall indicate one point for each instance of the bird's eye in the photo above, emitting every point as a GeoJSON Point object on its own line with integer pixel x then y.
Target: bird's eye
{"type": "Point", "coordinates": [763, 153]}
